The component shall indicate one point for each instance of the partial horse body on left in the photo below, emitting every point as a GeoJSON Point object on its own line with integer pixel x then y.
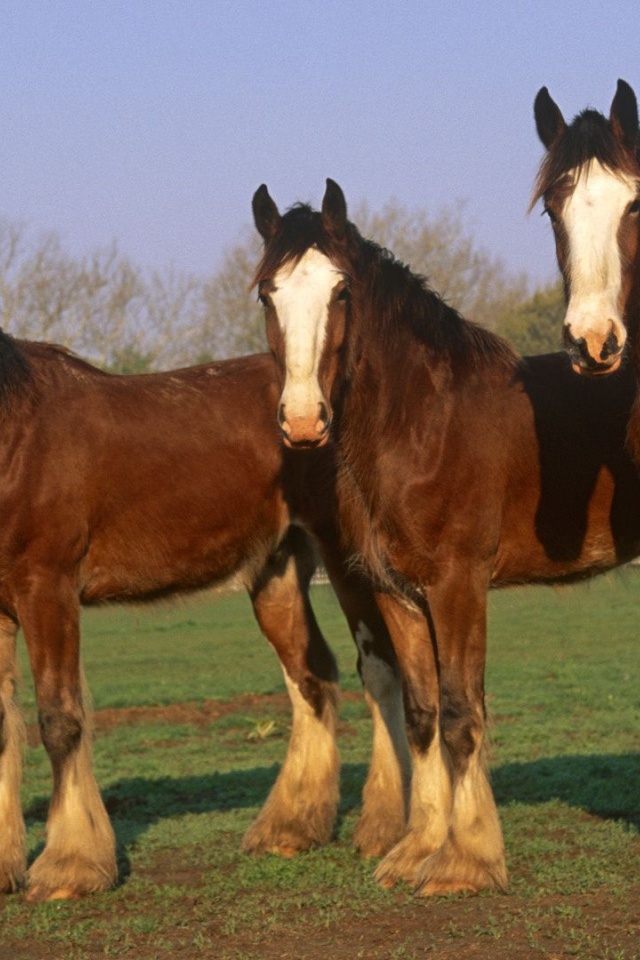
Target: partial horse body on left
{"type": "Point", "coordinates": [133, 488]}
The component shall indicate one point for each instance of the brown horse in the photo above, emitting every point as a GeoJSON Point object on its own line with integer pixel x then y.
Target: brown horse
{"type": "Point", "coordinates": [589, 181]}
{"type": "Point", "coordinates": [130, 488]}
{"type": "Point", "coordinates": [461, 466]}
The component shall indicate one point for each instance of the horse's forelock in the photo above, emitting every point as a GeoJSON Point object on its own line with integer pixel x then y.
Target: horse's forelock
{"type": "Point", "coordinates": [588, 138]}
{"type": "Point", "coordinates": [300, 229]}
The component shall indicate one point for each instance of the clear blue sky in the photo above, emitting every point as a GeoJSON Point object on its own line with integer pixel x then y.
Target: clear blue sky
{"type": "Point", "coordinates": [152, 122]}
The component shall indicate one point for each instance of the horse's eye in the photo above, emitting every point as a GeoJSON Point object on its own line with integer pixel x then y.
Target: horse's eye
{"type": "Point", "coordinates": [549, 212]}
{"type": "Point", "coordinates": [634, 208]}
{"type": "Point", "coordinates": [264, 300]}
{"type": "Point", "coordinates": [342, 294]}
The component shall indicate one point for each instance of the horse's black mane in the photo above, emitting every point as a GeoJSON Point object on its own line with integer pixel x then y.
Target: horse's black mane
{"type": "Point", "coordinates": [397, 296]}
{"type": "Point", "coordinates": [588, 137]}
{"type": "Point", "coordinates": [23, 364]}
{"type": "Point", "coordinates": [15, 373]}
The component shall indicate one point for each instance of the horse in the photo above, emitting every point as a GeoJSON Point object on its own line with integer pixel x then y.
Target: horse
{"type": "Point", "coordinates": [460, 467]}
{"type": "Point", "coordinates": [132, 488]}
{"type": "Point", "coordinates": [589, 182]}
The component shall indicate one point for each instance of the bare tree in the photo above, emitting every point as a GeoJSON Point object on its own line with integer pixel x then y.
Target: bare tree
{"type": "Point", "coordinates": [101, 306]}
{"type": "Point", "coordinates": [535, 326]}
{"type": "Point", "coordinates": [230, 319]}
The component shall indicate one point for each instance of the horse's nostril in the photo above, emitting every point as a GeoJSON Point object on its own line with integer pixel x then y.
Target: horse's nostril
{"type": "Point", "coordinates": [571, 343]}
{"type": "Point", "coordinates": [281, 415]}
{"type": "Point", "coordinates": [610, 347]}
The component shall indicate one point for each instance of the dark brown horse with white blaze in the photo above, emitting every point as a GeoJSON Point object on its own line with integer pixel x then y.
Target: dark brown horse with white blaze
{"type": "Point", "coordinates": [461, 466]}
{"type": "Point", "coordinates": [132, 488]}
{"type": "Point", "coordinates": [589, 182]}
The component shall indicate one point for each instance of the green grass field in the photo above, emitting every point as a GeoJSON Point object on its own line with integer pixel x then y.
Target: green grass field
{"type": "Point", "coordinates": [563, 694]}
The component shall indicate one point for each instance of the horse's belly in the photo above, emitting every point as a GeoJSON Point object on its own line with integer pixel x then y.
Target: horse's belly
{"type": "Point", "coordinates": [130, 565]}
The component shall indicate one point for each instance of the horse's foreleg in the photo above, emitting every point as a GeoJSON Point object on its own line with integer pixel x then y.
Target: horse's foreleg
{"type": "Point", "coordinates": [12, 735]}
{"type": "Point", "coordinates": [431, 788]}
{"type": "Point", "coordinates": [385, 798]}
{"type": "Point", "coordinates": [79, 855]}
{"type": "Point", "coordinates": [301, 809]}
{"type": "Point", "coordinates": [472, 857]}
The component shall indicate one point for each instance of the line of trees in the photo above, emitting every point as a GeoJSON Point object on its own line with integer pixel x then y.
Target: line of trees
{"type": "Point", "coordinates": [126, 320]}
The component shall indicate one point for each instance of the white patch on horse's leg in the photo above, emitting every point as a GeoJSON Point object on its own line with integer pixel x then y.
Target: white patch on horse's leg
{"type": "Point", "coordinates": [12, 738]}
{"type": "Point", "coordinates": [591, 218]}
{"type": "Point", "coordinates": [472, 857]}
{"type": "Point", "coordinates": [79, 856]}
{"type": "Point", "coordinates": [385, 797]}
{"type": "Point", "coordinates": [429, 816]}
{"type": "Point", "coordinates": [300, 811]}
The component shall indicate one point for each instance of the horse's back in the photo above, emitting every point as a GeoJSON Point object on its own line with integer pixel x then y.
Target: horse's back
{"type": "Point", "coordinates": [145, 484]}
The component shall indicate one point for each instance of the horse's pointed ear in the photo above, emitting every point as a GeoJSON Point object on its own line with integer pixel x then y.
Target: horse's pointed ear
{"type": "Point", "coordinates": [334, 210]}
{"type": "Point", "coordinates": [624, 115]}
{"type": "Point", "coordinates": [549, 120]}
{"type": "Point", "coordinates": [265, 213]}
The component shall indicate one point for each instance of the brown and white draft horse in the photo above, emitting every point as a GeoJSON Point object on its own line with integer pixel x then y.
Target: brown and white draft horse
{"type": "Point", "coordinates": [589, 182]}
{"type": "Point", "coordinates": [461, 466]}
{"type": "Point", "coordinates": [131, 488]}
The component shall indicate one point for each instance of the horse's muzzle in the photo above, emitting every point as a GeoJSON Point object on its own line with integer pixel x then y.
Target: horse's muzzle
{"type": "Point", "coordinates": [593, 358]}
{"type": "Point", "coordinates": [304, 432]}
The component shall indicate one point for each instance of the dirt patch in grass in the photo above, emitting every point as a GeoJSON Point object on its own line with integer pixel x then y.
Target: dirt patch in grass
{"type": "Point", "coordinates": [199, 715]}
{"type": "Point", "coordinates": [471, 928]}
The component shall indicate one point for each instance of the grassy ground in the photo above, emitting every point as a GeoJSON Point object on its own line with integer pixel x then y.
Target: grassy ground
{"type": "Point", "coordinates": [183, 783]}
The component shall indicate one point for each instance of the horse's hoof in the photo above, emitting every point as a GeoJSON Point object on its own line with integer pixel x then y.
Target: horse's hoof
{"type": "Point", "coordinates": [39, 894]}
{"type": "Point", "coordinates": [445, 888]}
{"type": "Point", "coordinates": [286, 851]}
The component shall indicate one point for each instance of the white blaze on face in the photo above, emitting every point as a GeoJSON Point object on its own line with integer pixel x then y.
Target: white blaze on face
{"type": "Point", "coordinates": [591, 217]}
{"type": "Point", "coordinates": [301, 299]}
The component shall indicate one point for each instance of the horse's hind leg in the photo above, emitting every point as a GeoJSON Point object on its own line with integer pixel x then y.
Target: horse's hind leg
{"type": "Point", "coordinates": [79, 855]}
{"type": "Point", "coordinates": [301, 809]}
{"type": "Point", "coordinates": [12, 735]}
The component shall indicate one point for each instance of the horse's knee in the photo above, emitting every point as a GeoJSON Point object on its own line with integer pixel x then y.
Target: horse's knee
{"type": "Point", "coordinates": [61, 732]}
{"type": "Point", "coordinates": [421, 724]}
{"type": "Point", "coordinates": [461, 729]}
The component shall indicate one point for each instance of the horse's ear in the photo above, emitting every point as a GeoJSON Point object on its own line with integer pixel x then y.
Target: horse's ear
{"type": "Point", "coordinates": [265, 213]}
{"type": "Point", "coordinates": [549, 120]}
{"type": "Point", "coordinates": [624, 115]}
{"type": "Point", "coordinates": [334, 210]}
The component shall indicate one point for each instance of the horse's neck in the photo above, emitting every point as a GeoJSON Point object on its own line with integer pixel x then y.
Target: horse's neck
{"type": "Point", "coordinates": [392, 380]}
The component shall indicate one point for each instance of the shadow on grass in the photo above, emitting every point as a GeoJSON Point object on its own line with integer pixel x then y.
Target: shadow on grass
{"type": "Point", "coordinates": [605, 785]}
{"type": "Point", "coordinates": [135, 803]}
